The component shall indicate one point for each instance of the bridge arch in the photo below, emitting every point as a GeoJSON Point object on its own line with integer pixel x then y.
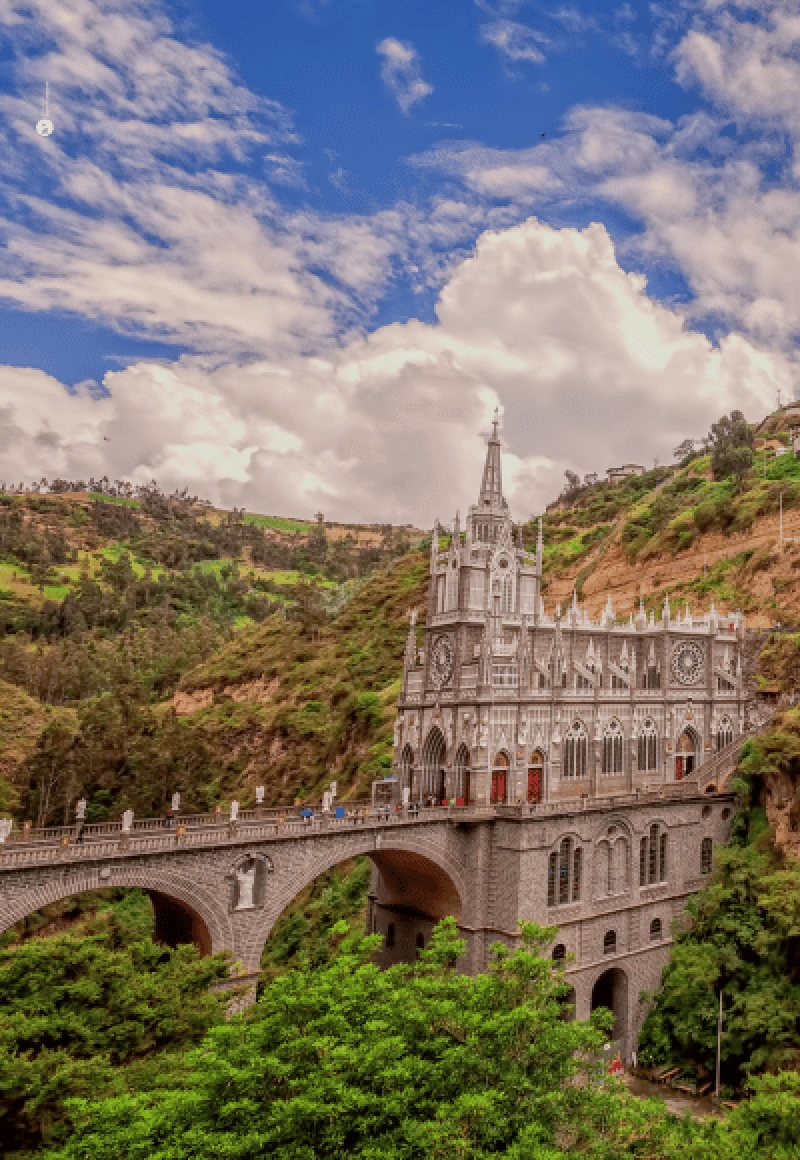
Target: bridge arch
{"type": "Point", "coordinates": [184, 910]}
{"type": "Point", "coordinates": [412, 878]}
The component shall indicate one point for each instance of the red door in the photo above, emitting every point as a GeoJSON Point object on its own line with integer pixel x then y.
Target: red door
{"type": "Point", "coordinates": [498, 786]}
{"type": "Point", "coordinates": [535, 783]}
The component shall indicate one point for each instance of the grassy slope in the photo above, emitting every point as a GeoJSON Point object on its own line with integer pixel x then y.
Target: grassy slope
{"type": "Point", "coordinates": [293, 712]}
{"type": "Point", "coordinates": [679, 534]}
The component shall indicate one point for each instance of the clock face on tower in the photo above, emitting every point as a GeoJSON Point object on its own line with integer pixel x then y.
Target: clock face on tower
{"type": "Point", "coordinates": [687, 662]}
{"type": "Point", "coordinates": [441, 661]}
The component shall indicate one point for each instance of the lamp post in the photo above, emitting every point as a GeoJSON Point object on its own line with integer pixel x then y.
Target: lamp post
{"type": "Point", "coordinates": [719, 1044]}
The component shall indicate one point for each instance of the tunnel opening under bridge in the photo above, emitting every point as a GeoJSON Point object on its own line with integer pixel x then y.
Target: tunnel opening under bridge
{"type": "Point", "coordinates": [139, 912]}
{"type": "Point", "coordinates": [398, 894]}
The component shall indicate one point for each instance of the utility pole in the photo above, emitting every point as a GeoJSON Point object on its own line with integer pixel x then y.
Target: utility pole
{"type": "Point", "coordinates": [719, 1043]}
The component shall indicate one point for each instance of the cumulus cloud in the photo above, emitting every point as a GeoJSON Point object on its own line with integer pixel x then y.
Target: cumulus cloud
{"type": "Point", "coordinates": [544, 322]}
{"type": "Point", "coordinates": [151, 207]}
{"type": "Point", "coordinates": [401, 72]}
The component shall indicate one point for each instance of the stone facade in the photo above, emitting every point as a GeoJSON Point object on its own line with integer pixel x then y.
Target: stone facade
{"type": "Point", "coordinates": [590, 726]}
{"type": "Point", "coordinates": [504, 701]}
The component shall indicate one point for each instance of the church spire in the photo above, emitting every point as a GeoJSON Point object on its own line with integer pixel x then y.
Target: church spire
{"type": "Point", "coordinates": [492, 485]}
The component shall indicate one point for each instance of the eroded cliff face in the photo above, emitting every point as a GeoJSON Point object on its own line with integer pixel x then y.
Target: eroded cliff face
{"type": "Point", "coordinates": [771, 764]}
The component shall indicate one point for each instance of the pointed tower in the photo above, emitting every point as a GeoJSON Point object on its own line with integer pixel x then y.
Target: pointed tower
{"type": "Point", "coordinates": [492, 485]}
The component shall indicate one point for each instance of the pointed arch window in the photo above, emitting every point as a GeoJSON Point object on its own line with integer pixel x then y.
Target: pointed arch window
{"type": "Point", "coordinates": [506, 599]}
{"type": "Point", "coordinates": [724, 733]}
{"type": "Point", "coordinates": [612, 748]}
{"type": "Point", "coordinates": [648, 746]}
{"type": "Point", "coordinates": [576, 750]}
{"type": "Point", "coordinates": [433, 756]}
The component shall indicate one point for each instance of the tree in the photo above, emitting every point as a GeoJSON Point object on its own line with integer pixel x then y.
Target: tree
{"type": "Point", "coordinates": [348, 1060]}
{"type": "Point", "coordinates": [78, 1011]}
{"type": "Point", "coordinates": [684, 449]}
{"type": "Point", "coordinates": [732, 443]}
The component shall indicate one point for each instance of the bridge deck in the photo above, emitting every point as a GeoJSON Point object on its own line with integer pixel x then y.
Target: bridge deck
{"type": "Point", "coordinates": [151, 835]}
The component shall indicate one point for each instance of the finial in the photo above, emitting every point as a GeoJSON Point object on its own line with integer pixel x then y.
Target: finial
{"type": "Point", "coordinates": [495, 422]}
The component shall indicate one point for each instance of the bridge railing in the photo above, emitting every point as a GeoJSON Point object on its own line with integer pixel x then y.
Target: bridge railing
{"type": "Point", "coordinates": [106, 840]}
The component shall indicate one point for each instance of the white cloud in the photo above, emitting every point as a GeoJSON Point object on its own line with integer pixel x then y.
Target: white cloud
{"type": "Point", "coordinates": [589, 370]}
{"type": "Point", "coordinates": [514, 40]}
{"type": "Point", "coordinates": [401, 72]}
{"type": "Point", "coordinates": [151, 207]}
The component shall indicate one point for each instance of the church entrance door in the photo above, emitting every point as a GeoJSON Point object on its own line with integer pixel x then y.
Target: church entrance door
{"type": "Point", "coordinates": [535, 777]}
{"type": "Point", "coordinates": [499, 779]}
{"type": "Point", "coordinates": [684, 755]}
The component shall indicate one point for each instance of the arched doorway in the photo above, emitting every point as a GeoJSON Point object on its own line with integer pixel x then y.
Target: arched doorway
{"type": "Point", "coordinates": [462, 787]}
{"type": "Point", "coordinates": [536, 776]}
{"type": "Point", "coordinates": [611, 991]}
{"type": "Point", "coordinates": [433, 775]}
{"type": "Point", "coordinates": [685, 754]}
{"type": "Point", "coordinates": [499, 778]}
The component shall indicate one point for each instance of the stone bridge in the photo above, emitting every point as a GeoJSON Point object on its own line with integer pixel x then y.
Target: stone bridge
{"type": "Point", "coordinates": [223, 883]}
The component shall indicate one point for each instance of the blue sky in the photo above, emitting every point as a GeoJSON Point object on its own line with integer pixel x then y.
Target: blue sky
{"type": "Point", "coordinates": [293, 254]}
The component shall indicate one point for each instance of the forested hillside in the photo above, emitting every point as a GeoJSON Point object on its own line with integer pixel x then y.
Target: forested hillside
{"type": "Point", "coordinates": [151, 644]}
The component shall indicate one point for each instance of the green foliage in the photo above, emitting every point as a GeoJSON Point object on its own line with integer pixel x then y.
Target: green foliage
{"type": "Point", "coordinates": [732, 446]}
{"type": "Point", "coordinates": [742, 932]}
{"type": "Point", "coordinates": [349, 1060]}
{"type": "Point", "coordinates": [302, 935]}
{"type": "Point", "coordinates": [81, 1014]}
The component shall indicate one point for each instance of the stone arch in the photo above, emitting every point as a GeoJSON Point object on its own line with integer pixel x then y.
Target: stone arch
{"type": "Point", "coordinates": [184, 910]}
{"type": "Point", "coordinates": [432, 881]}
{"type": "Point", "coordinates": [610, 990]}
{"type": "Point", "coordinates": [433, 759]}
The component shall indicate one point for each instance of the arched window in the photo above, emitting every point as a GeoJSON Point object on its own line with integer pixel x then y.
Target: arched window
{"type": "Point", "coordinates": [499, 778]}
{"type": "Point", "coordinates": [577, 866]}
{"type": "Point", "coordinates": [648, 746]}
{"type": "Point", "coordinates": [576, 749]}
{"type": "Point", "coordinates": [390, 935]}
{"type": "Point", "coordinates": [535, 776]}
{"type": "Point", "coordinates": [552, 864]}
{"type": "Point", "coordinates": [564, 873]}
{"type": "Point", "coordinates": [653, 856]}
{"type": "Point", "coordinates": [565, 851]}
{"type": "Point", "coordinates": [610, 942]}
{"type": "Point", "coordinates": [655, 930]}
{"type": "Point", "coordinates": [612, 748]}
{"type": "Point", "coordinates": [706, 855]}
{"type": "Point", "coordinates": [433, 756]}
{"type": "Point", "coordinates": [462, 784]}
{"type": "Point", "coordinates": [508, 586]}
{"type": "Point", "coordinates": [724, 733]}
{"type": "Point", "coordinates": [559, 953]}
